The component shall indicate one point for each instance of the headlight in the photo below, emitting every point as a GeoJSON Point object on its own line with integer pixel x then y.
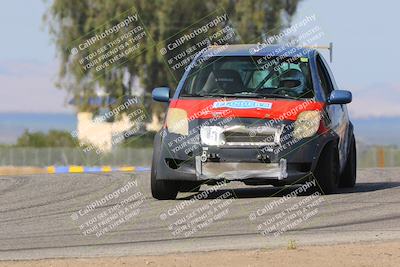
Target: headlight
{"type": "Point", "coordinates": [307, 124]}
{"type": "Point", "coordinates": [177, 121]}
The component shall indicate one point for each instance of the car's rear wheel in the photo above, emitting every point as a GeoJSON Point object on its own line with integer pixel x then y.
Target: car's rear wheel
{"type": "Point", "coordinates": [349, 175]}
{"type": "Point", "coordinates": [326, 171]}
{"type": "Point", "coordinates": [161, 189]}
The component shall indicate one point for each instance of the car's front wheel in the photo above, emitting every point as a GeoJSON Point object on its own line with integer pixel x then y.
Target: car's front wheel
{"type": "Point", "coordinates": [326, 172]}
{"type": "Point", "coordinates": [189, 186]}
{"type": "Point", "coordinates": [349, 175]}
{"type": "Point", "coordinates": [161, 189]}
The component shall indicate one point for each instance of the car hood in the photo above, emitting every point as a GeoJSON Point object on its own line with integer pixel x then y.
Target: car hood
{"type": "Point", "coordinates": [282, 109]}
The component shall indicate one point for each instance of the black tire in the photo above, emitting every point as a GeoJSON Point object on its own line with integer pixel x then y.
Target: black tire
{"type": "Point", "coordinates": [189, 186]}
{"type": "Point", "coordinates": [160, 189]}
{"type": "Point", "coordinates": [326, 172]}
{"type": "Point", "coordinates": [349, 175]}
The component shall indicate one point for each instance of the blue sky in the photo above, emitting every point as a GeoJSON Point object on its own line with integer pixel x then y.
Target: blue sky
{"type": "Point", "coordinates": [365, 37]}
{"type": "Point", "coordinates": [29, 41]}
{"type": "Point", "coordinates": [28, 66]}
{"type": "Point", "coordinates": [364, 33]}
{"type": "Point", "coordinates": [366, 56]}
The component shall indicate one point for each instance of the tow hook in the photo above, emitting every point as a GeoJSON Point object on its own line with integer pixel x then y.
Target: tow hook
{"type": "Point", "coordinates": [203, 157]}
{"type": "Point", "coordinates": [263, 158]}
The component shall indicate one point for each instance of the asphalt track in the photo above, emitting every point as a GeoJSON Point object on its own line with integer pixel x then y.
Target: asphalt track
{"type": "Point", "coordinates": [44, 216]}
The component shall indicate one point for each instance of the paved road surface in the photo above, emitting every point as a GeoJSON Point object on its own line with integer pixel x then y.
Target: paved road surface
{"type": "Point", "coordinates": [44, 216]}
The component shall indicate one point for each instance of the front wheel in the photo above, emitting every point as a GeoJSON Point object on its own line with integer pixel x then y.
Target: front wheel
{"type": "Point", "coordinates": [326, 171]}
{"type": "Point", "coordinates": [189, 186]}
{"type": "Point", "coordinates": [349, 175]}
{"type": "Point", "coordinates": [161, 189]}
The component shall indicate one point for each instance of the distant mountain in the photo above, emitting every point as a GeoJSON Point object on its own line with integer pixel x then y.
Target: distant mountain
{"type": "Point", "coordinates": [380, 130]}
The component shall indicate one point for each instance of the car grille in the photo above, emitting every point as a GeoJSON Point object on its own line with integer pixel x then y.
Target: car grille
{"type": "Point", "coordinates": [240, 135]}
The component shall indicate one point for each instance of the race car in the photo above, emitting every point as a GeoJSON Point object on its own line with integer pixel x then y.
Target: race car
{"type": "Point", "coordinates": [261, 115]}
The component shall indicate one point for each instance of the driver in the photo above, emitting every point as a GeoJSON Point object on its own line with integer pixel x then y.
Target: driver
{"type": "Point", "coordinates": [292, 80]}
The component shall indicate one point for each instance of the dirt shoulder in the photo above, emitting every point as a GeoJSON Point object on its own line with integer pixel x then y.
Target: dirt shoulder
{"type": "Point", "coordinates": [364, 254]}
{"type": "Point", "coordinates": [10, 170]}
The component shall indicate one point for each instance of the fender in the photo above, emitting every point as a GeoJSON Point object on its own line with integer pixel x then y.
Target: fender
{"type": "Point", "coordinates": [324, 140]}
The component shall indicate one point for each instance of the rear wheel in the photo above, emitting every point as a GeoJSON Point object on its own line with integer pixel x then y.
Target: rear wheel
{"type": "Point", "coordinates": [326, 171]}
{"type": "Point", "coordinates": [349, 175]}
{"type": "Point", "coordinates": [161, 189]}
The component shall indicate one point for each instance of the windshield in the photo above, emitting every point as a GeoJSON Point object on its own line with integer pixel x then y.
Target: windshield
{"type": "Point", "coordinates": [250, 76]}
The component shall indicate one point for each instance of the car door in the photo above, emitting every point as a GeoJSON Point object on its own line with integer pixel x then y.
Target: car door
{"type": "Point", "coordinates": [336, 114]}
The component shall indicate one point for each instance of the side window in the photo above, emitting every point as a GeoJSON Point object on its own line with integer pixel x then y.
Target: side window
{"type": "Point", "coordinates": [326, 83]}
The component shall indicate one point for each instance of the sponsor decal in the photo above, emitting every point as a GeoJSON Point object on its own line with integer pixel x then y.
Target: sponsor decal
{"type": "Point", "coordinates": [242, 104]}
{"type": "Point", "coordinates": [303, 59]}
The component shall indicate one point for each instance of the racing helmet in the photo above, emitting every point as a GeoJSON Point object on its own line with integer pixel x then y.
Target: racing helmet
{"type": "Point", "coordinates": [293, 79]}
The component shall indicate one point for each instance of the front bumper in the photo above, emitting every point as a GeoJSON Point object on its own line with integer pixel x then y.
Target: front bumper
{"type": "Point", "coordinates": [284, 164]}
{"type": "Point", "coordinates": [242, 164]}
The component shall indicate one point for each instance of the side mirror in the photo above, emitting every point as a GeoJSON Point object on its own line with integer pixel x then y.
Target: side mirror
{"type": "Point", "coordinates": [340, 97]}
{"type": "Point", "coordinates": [161, 94]}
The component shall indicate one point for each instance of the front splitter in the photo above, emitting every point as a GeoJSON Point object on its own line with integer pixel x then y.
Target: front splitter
{"type": "Point", "coordinates": [240, 170]}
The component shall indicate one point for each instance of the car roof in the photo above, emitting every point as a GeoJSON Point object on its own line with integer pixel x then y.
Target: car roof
{"type": "Point", "coordinates": [258, 50]}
